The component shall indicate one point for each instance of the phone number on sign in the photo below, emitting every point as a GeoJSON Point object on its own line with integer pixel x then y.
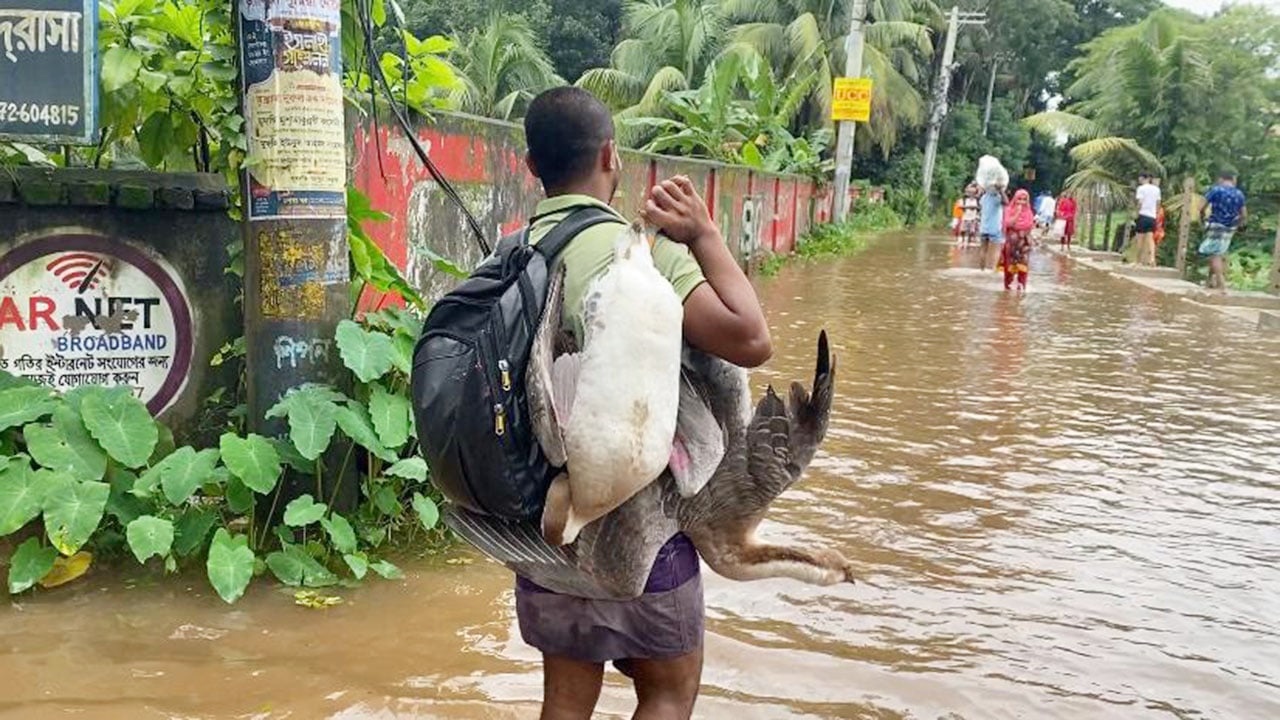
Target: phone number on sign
{"type": "Point", "coordinates": [38, 114]}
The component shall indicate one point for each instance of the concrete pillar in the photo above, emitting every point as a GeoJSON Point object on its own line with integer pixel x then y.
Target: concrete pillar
{"type": "Point", "coordinates": [1274, 286]}
{"type": "Point", "coordinates": [1184, 224]}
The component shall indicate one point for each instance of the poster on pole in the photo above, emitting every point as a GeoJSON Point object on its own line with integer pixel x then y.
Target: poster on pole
{"type": "Point", "coordinates": [851, 100]}
{"type": "Point", "coordinates": [291, 68]}
{"type": "Point", "coordinates": [48, 83]}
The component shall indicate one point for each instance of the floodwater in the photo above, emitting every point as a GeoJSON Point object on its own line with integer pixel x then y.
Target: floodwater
{"type": "Point", "coordinates": [1062, 505]}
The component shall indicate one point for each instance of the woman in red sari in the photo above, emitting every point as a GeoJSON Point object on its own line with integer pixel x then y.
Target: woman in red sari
{"type": "Point", "coordinates": [1015, 254]}
{"type": "Point", "coordinates": [1067, 213]}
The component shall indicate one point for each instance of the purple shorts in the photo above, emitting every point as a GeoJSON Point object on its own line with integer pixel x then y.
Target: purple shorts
{"type": "Point", "coordinates": [665, 622]}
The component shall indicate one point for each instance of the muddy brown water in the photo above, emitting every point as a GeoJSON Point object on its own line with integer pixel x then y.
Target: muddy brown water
{"type": "Point", "coordinates": [1063, 506]}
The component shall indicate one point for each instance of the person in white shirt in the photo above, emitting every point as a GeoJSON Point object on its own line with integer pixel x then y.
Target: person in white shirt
{"type": "Point", "coordinates": [1148, 205]}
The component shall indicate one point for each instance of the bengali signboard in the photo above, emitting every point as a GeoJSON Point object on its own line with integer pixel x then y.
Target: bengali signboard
{"type": "Point", "coordinates": [291, 67]}
{"type": "Point", "coordinates": [48, 85]}
{"type": "Point", "coordinates": [851, 100]}
{"type": "Point", "coordinates": [82, 309]}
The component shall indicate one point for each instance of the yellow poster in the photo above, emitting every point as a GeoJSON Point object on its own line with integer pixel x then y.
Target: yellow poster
{"type": "Point", "coordinates": [851, 100]}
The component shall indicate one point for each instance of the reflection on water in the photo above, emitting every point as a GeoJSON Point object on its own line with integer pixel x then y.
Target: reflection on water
{"type": "Point", "coordinates": [1062, 504]}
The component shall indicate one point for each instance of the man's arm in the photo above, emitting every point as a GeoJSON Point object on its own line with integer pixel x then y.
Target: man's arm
{"type": "Point", "coordinates": [1243, 221]}
{"type": "Point", "coordinates": [722, 316]}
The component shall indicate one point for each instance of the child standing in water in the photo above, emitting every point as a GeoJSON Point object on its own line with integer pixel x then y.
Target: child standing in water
{"type": "Point", "coordinates": [1019, 220]}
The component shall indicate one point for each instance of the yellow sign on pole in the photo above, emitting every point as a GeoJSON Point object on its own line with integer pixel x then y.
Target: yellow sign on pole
{"type": "Point", "coordinates": [851, 100]}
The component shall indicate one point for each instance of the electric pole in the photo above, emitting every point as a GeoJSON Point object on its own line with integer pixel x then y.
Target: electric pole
{"type": "Point", "coordinates": [938, 111]}
{"type": "Point", "coordinates": [991, 91]}
{"type": "Point", "coordinates": [844, 141]}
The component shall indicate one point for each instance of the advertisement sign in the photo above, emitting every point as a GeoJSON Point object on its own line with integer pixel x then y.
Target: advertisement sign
{"type": "Point", "coordinates": [291, 70]}
{"type": "Point", "coordinates": [83, 309]}
{"type": "Point", "coordinates": [851, 100]}
{"type": "Point", "coordinates": [48, 82]}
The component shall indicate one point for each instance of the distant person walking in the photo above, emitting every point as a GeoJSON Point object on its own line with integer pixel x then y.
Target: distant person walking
{"type": "Point", "coordinates": [1015, 255]}
{"type": "Point", "coordinates": [1226, 211]}
{"type": "Point", "coordinates": [1148, 196]}
{"type": "Point", "coordinates": [970, 214]}
{"type": "Point", "coordinates": [991, 223]}
{"type": "Point", "coordinates": [1066, 212]}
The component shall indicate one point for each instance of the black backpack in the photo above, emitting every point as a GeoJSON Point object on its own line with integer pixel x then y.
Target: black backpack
{"type": "Point", "coordinates": [468, 383]}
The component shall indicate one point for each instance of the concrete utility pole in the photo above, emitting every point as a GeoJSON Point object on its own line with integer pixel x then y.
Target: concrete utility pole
{"type": "Point", "coordinates": [991, 91]}
{"type": "Point", "coordinates": [1184, 224]}
{"type": "Point", "coordinates": [844, 141]}
{"type": "Point", "coordinates": [1275, 264]}
{"type": "Point", "coordinates": [296, 268]}
{"type": "Point", "coordinates": [938, 111]}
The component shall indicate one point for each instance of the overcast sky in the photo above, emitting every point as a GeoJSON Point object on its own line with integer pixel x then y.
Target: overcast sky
{"type": "Point", "coordinates": [1209, 6]}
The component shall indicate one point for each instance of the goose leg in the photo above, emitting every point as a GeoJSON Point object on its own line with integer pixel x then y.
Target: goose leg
{"type": "Point", "coordinates": [560, 524]}
{"type": "Point", "coordinates": [748, 559]}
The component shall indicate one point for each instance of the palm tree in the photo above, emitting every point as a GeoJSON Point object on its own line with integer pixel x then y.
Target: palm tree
{"type": "Point", "coordinates": [792, 33]}
{"type": "Point", "coordinates": [502, 68]}
{"type": "Point", "coordinates": [668, 47]}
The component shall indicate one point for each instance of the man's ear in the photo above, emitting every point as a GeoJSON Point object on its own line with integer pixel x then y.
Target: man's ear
{"type": "Point", "coordinates": [609, 156]}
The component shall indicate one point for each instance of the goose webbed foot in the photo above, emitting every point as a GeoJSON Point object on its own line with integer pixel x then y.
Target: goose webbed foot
{"type": "Point", "coordinates": [821, 566]}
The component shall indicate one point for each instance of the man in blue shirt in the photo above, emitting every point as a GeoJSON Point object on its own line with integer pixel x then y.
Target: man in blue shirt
{"type": "Point", "coordinates": [1225, 208]}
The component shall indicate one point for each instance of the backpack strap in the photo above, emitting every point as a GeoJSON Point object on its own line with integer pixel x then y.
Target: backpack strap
{"type": "Point", "coordinates": [567, 229]}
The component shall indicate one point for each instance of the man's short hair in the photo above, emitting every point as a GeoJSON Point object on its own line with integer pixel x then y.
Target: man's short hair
{"type": "Point", "coordinates": [565, 128]}
{"type": "Point", "coordinates": [1227, 175]}
{"type": "Point", "coordinates": [1144, 176]}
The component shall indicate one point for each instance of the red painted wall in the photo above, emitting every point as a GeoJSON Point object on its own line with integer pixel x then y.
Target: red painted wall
{"type": "Point", "coordinates": [484, 159]}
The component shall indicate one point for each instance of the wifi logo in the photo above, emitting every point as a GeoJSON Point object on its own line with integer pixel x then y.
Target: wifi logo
{"type": "Point", "coordinates": [80, 271]}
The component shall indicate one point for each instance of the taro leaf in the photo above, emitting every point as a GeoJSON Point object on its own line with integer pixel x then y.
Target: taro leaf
{"type": "Point", "coordinates": [123, 505]}
{"type": "Point", "coordinates": [367, 354]}
{"type": "Point", "coordinates": [21, 405]}
{"type": "Point", "coordinates": [387, 570]}
{"type": "Point", "coordinates": [303, 511]}
{"type": "Point", "coordinates": [355, 422]}
{"type": "Point", "coordinates": [386, 500]}
{"type": "Point", "coordinates": [312, 420]}
{"type": "Point", "coordinates": [427, 511]}
{"type": "Point", "coordinates": [359, 564]}
{"type": "Point", "coordinates": [149, 537]}
{"type": "Point", "coordinates": [239, 496]}
{"type": "Point", "coordinates": [230, 565]}
{"type": "Point", "coordinates": [192, 528]}
{"type": "Point", "coordinates": [402, 352]}
{"type": "Point", "coordinates": [340, 532]}
{"type": "Point", "coordinates": [252, 459]}
{"type": "Point", "coordinates": [186, 470]}
{"type": "Point", "coordinates": [66, 445]}
{"type": "Point", "coordinates": [414, 468]}
{"type": "Point", "coordinates": [72, 509]}
{"type": "Point", "coordinates": [290, 456]}
{"type": "Point", "coordinates": [391, 417]}
{"type": "Point", "coordinates": [147, 483]}
{"type": "Point", "coordinates": [66, 569]}
{"type": "Point", "coordinates": [8, 381]}
{"type": "Point", "coordinates": [293, 566]}
{"type": "Point", "coordinates": [29, 563]}
{"type": "Point", "coordinates": [164, 446]}
{"type": "Point", "coordinates": [121, 425]}
{"type": "Point", "coordinates": [21, 496]}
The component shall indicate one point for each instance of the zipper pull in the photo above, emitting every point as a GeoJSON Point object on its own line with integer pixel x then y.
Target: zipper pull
{"type": "Point", "coordinates": [505, 369]}
{"type": "Point", "coordinates": [499, 420]}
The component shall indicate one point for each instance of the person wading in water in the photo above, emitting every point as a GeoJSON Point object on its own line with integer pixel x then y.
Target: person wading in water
{"type": "Point", "coordinates": [656, 639]}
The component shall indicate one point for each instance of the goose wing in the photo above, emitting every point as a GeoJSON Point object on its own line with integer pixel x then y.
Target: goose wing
{"type": "Point", "coordinates": [540, 385]}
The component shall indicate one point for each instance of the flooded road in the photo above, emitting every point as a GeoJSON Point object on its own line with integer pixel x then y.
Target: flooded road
{"type": "Point", "coordinates": [1063, 505]}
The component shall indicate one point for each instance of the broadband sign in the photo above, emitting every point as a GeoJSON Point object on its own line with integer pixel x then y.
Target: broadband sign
{"type": "Point", "coordinates": [851, 100]}
{"type": "Point", "coordinates": [48, 86]}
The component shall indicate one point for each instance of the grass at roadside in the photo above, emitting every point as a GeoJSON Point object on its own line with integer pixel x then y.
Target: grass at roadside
{"type": "Point", "coordinates": [838, 239]}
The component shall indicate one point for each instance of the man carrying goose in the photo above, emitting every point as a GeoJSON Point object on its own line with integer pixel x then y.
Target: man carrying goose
{"type": "Point", "coordinates": [635, 323]}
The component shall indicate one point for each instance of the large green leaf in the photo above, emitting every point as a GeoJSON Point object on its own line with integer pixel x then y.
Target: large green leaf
{"type": "Point", "coordinates": [149, 537]}
{"type": "Point", "coordinates": [387, 570]}
{"type": "Point", "coordinates": [252, 459]}
{"type": "Point", "coordinates": [66, 445]}
{"type": "Point", "coordinates": [72, 509]}
{"type": "Point", "coordinates": [186, 470]}
{"type": "Point", "coordinates": [21, 496]}
{"type": "Point", "coordinates": [355, 422]}
{"type": "Point", "coordinates": [427, 511]}
{"type": "Point", "coordinates": [239, 497]}
{"type": "Point", "coordinates": [392, 417]}
{"type": "Point", "coordinates": [303, 511]}
{"type": "Point", "coordinates": [21, 405]}
{"type": "Point", "coordinates": [293, 566]}
{"type": "Point", "coordinates": [123, 505]}
{"type": "Point", "coordinates": [414, 468]}
{"type": "Point", "coordinates": [191, 530]}
{"type": "Point", "coordinates": [367, 354]}
{"type": "Point", "coordinates": [29, 563]}
{"type": "Point", "coordinates": [230, 565]}
{"type": "Point", "coordinates": [341, 534]}
{"type": "Point", "coordinates": [120, 66]}
{"type": "Point", "coordinates": [312, 415]}
{"type": "Point", "coordinates": [121, 425]}
{"type": "Point", "coordinates": [359, 564]}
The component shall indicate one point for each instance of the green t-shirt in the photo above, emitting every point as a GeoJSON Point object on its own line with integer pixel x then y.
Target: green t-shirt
{"type": "Point", "coordinates": [588, 255]}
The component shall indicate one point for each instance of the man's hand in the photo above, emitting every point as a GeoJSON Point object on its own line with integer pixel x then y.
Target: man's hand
{"type": "Point", "coordinates": [675, 208]}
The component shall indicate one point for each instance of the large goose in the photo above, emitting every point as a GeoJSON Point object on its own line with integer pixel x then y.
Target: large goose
{"type": "Point", "coordinates": [729, 466]}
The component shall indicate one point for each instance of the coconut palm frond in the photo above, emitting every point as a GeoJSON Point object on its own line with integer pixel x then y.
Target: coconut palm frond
{"type": "Point", "coordinates": [805, 39]}
{"type": "Point", "coordinates": [769, 39]}
{"type": "Point", "coordinates": [1055, 123]}
{"type": "Point", "coordinates": [668, 79]}
{"type": "Point", "coordinates": [1100, 150]}
{"type": "Point", "coordinates": [754, 11]}
{"type": "Point", "coordinates": [901, 33]}
{"type": "Point", "coordinates": [614, 87]}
